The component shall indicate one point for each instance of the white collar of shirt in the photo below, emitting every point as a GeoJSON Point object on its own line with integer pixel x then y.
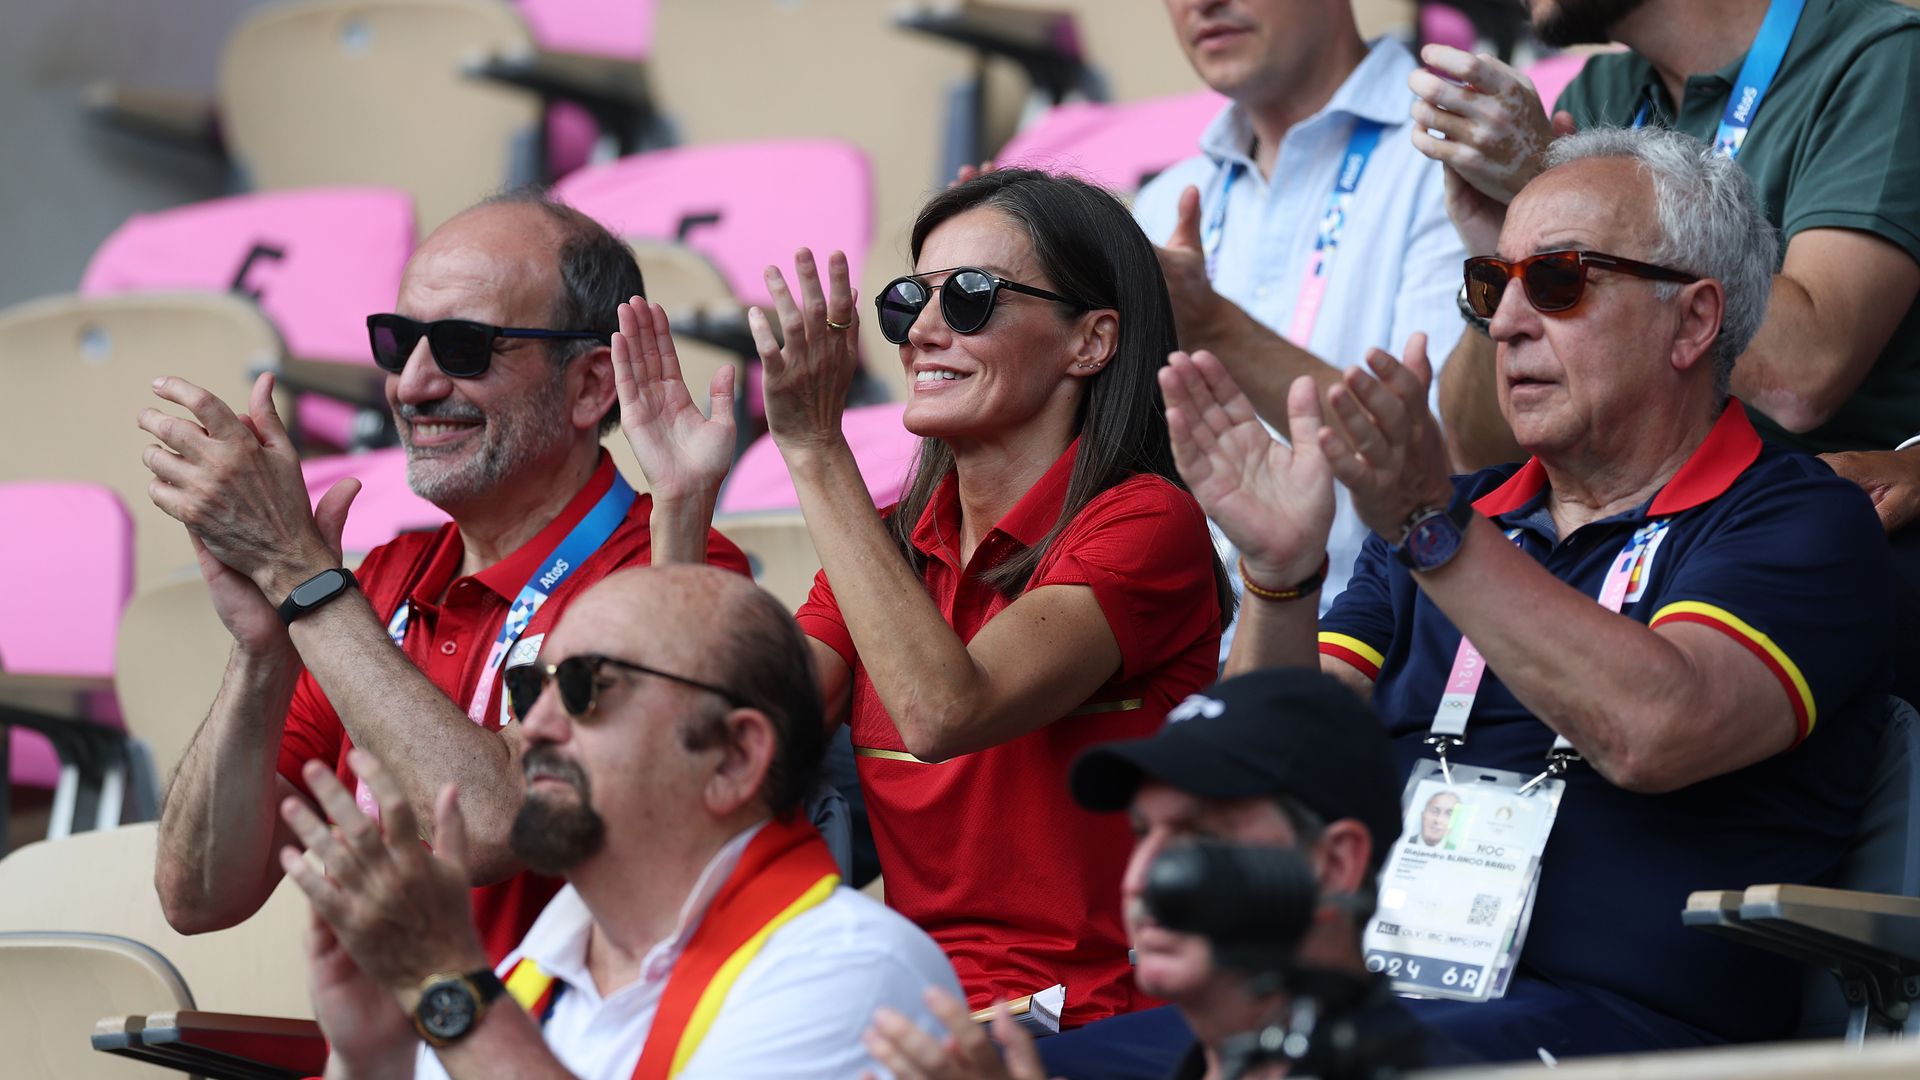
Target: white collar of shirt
{"type": "Point", "coordinates": [1376, 90]}
{"type": "Point", "coordinates": [557, 941]}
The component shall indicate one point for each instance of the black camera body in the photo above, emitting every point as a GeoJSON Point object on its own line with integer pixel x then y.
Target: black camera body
{"type": "Point", "coordinates": [1254, 905]}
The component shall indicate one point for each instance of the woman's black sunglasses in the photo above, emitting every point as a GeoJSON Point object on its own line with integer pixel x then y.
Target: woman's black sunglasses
{"type": "Point", "coordinates": [578, 678]}
{"type": "Point", "coordinates": [462, 349]}
{"type": "Point", "coordinates": [966, 300]}
{"type": "Point", "coordinates": [1554, 280]}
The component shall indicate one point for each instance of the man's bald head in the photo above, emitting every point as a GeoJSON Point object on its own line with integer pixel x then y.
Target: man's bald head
{"type": "Point", "coordinates": [720, 628]}
{"type": "Point", "coordinates": [565, 270]}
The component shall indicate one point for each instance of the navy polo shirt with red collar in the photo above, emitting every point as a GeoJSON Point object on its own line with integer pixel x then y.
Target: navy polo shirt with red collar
{"type": "Point", "coordinates": [987, 852]}
{"type": "Point", "coordinates": [453, 623]}
{"type": "Point", "coordinates": [1766, 546]}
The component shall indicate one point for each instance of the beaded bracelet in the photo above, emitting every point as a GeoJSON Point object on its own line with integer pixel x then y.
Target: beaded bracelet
{"type": "Point", "coordinates": [1311, 585]}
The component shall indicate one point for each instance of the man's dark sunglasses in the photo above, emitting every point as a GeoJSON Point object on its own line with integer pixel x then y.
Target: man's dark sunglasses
{"type": "Point", "coordinates": [966, 300]}
{"type": "Point", "coordinates": [1554, 280]}
{"type": "Point", "coordinates": [462, 349]}
{"type": "Point", "coordinates": [578, 678]}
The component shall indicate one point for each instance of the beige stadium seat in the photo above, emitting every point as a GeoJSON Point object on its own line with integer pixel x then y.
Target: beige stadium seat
{"type": "Point", "coordinates": [378, 92]}
{"type": "Point", "coordinates": [168, 662]}
{"type": "Point", "coordinates": [709, 325]}
{"type": "Point", "coordinates": [55, 986]}
{"type": "Point", "coordinates": [780, 550]}
{"type": "Point", "coordinates": [78, 372]}
{"type": "Point", "coordinates": [102, 882]}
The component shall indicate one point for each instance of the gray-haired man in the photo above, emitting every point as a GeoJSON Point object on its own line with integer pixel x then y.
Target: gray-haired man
{"type": "Point", "coordinates": [1674, 629]}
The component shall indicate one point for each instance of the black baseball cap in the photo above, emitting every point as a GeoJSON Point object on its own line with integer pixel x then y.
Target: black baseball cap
{"type": "Point", "coordinates": [1280, 731]}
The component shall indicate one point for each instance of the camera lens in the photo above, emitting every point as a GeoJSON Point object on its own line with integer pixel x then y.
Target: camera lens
{"type": "Point", "coordinates": [1233, 894]}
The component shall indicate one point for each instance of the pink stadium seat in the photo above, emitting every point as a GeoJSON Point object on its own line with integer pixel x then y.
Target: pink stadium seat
{"type": "Point", "coordinates": [743, 205]}
{"type": "Point", "coordinates": [1118, 147]}
{"type": "Point", "coordinates": [318, 260]}
{"type": "Point", "coordinates": [622, 29]}
{"type": "Point", "coordinates": [1444, 24]}
{"type": "Point", "coordinates": [882, 446]}
{"type": "Point", "coordinates": [1551, 75]}
{"type": "Point", "coordinates": [66, 570]}
{"type": "Point", "coordinates": [385, 507]}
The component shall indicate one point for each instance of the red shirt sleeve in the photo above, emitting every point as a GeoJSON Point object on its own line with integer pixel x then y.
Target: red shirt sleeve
{"type": "Point", "coordinates": [1144, 549]}
{"type": "Point", "coordinates": [726, 555]}
{"type": "Point", "coordinates": [820, 619]}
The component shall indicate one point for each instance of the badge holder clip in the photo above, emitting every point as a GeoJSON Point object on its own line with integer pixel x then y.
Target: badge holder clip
{"type": "Point", "coordinates": [1558, 761]}
{"type": "Point", "coordinates": [1441, 744]}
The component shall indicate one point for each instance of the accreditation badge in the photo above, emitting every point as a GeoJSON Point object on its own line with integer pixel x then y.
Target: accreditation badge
{"type": "Point", "coordinates": [1457, 890]}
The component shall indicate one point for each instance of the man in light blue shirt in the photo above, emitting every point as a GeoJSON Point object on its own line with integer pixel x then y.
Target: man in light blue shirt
{"type": "Point", "coordinates": [1311, 167]}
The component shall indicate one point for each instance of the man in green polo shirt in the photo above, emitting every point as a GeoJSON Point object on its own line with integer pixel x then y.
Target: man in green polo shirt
{"type": "Point", "coordinates": [1832, 142]}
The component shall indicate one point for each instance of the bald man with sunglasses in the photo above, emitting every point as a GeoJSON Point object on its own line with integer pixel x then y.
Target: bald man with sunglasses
{"type": "Point", "coordinates": [500, 378]}
{"type": "Point", "coordinates": [704, 932]}
{"type": "Point", "coordinates": [1681, 632]}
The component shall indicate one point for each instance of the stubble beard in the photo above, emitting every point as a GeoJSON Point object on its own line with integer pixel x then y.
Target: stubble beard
{"type": "Point", "coordinates": [510, 439]}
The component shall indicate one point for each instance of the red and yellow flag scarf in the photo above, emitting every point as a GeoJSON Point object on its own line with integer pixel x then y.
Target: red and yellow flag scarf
{"type": "Point", "coordinates": [785, 871]}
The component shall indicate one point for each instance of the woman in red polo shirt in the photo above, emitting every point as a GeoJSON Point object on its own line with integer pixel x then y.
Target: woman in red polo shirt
{"type": "Point", "coordinates": [1045, 583]}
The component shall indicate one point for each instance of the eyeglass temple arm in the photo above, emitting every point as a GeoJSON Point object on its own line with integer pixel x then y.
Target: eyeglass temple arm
{"type": "Point", "coordinates": [671, 677]}
{"type": "Point", "coordinates": [510, 332]}
{"type": "Point", "coordinates": [1041, 293]}
{"type": "Point", "coordinates": [1645, 270]}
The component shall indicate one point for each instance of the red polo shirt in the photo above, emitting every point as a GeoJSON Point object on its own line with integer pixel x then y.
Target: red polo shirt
{"type": "Point", "coordinates": [987, 852]}
{"type": "Point", "coordinates": [454, 622]}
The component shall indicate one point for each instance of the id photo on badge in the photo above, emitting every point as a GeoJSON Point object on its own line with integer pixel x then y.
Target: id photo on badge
{"type": "Point", "coordinates": [1456, 891]}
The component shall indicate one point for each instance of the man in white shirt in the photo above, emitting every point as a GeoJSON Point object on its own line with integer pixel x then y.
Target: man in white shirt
{"type": "Point", "coordinates": [703, 931]}
{"type": "Point", "coordinates": [1308, 212]}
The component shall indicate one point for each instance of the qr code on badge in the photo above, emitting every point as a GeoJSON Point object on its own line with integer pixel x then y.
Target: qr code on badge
{"type": "Point", "coordinates": [1485, 909]}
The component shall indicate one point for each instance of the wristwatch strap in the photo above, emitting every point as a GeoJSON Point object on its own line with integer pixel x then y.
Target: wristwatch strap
{"type": "Point", "coordinates": [315, 592]}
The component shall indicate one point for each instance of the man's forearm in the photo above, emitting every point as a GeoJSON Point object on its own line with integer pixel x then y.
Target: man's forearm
{"type": "Point", "coordinates": [1273, 633]}
{"type": "Point", "coordinates": [679, 530]}
{"type": "Point", "coordinates": [1477, 434]}
{"type": "Point", "coordinates": [215, 863]}
{"type": "Point", "coordinates": [390, 708]}
{"type": "Point", "coordinates": [1641, 710]}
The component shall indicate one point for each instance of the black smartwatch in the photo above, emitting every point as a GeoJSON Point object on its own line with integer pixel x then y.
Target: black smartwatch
{"type": "Point", "coordinates": [314, 592]}
{"type": "Point", "coordinates": [450, 1006]}
{"type": "Point", "coordinates": [1431, 538]}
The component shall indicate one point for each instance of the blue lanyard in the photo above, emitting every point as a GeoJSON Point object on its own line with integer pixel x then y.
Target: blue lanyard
{"type": "Point", "coordinates": [1756, 77]}
{"type": "Point", "coordinates": [576, 548]}
{"type": "Point", "coordinates": [1360, 147]}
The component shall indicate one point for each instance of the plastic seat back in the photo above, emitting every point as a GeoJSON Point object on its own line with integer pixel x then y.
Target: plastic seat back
{"type": "Point", "coordinates": [622, 29]}
{"type": "Point", "coordinates": [743, 205]}
{"type": "Point", "coordinates": [1119, 147]}
{"type": "Point", "coordinates": [1551, 75]}
{"type": "Point", "coordinates": [1444, 24]}
{"type": "Point", "coordinates": [66, 569]}
{"type": "Point", "coordinates": [318, 261]}
{"type": "Point", "coordinates": [172, 653]}
{"type": "Point", "coordinates": [55, 986]}
{"type": "Point", "coordinates": [779, 549]}
{"type": "Point", "coordinates": [881, 445]}
{"type": "Point", "coordinates": [356, 92]}
{"type": "Point", "coordinates": [1885, 854]}
{"type": "Point", "coordinates": [102, 882]}
{"type": "Point", "coordinates": [80, 371]}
